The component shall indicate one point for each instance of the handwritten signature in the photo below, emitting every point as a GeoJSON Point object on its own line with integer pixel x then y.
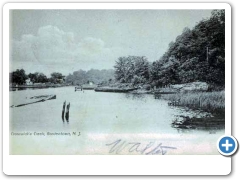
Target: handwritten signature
{"type": "Point", "coordinates": [150, 148]}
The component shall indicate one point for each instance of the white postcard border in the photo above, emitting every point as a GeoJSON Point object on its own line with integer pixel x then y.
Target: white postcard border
{"type": "Point", "coordinates": [114, 164]}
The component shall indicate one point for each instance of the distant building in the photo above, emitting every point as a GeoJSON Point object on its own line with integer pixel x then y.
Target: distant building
{"type": "Point", "coordinates": [90, 83]}
{"type": "Point", "coordinates": [61, 80]}
{"type": "Point", "coordinates": [29, 82]}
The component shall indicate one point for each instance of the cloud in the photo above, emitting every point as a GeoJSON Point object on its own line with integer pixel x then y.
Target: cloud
{"type": "Point", "coordinates": [91, 45]}
{"type": "Point", "coordinates": [52, 46]}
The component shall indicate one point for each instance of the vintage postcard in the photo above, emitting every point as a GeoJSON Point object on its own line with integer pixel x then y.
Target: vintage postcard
{"type": "Point", "coordinates": [118, 79]}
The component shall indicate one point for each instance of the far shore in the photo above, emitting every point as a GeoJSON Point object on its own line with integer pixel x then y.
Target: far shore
{"type": "Point", "coordinates": [37, 86]}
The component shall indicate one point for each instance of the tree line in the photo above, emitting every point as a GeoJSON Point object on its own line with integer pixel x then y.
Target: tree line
{"type": "Point", "coordinates": [94, 75]}
{"type": "Point", "coordinates": [19, 77]}
{"type": "Point", "coordinates": [76, 78]}
{"type": "Point", "coordinates": [196, 55]}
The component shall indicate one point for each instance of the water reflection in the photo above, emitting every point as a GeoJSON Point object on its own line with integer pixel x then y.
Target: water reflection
{"type": "Point", "coordinates": [209, 130]}
{"type": "Point", "coordinates": [135, 96]}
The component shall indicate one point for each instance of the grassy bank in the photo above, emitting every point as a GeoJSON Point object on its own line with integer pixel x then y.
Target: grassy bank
{"type": "Point", "coordinates": [208, 101]}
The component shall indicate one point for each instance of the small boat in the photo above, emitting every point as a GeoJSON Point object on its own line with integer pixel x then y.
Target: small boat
{"type": "Point", "coordinates": [36, 99]}
{"type": "Point", "coordinates": [78, 88]}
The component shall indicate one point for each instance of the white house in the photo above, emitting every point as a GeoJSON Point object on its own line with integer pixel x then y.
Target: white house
{"type": "Point", "coordinates": [90, 83]}
{"type": "Point", "coordinates": [28, 82]}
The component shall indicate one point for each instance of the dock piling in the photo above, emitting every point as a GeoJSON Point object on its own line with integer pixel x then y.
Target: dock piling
{"type": "Point", "coordinates": [67, 113]}
{"type": "Point", "coordinates": [63, 111]}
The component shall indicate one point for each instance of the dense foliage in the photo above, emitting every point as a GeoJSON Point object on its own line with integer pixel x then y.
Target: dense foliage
{"type": "Point", "coordinates": [93, 75]}
{"type": "Point", "coordinates": [78, 77]}
{"type": "Point", "coordinates": [56, 78]}
{"type": "Point", "coordinates": [196, 55]}
{"type": "Point", "coordinates": [37, 77]}
{"type": "Point", "coordinates": [132, 69]}
{"type": "Point", "coordinates": [19, 77]}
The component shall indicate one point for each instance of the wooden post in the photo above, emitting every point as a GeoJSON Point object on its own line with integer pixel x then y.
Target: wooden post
{"type": "Point", "coordinates": [63, 110]}
{"type": "Point", "coordinates": [207, 54]}
{"type": "Point", "coordinates": [67, 112]}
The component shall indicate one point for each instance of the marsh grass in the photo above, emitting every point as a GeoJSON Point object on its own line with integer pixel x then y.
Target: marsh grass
{"type": "Point", "coordinates": [208, 101]}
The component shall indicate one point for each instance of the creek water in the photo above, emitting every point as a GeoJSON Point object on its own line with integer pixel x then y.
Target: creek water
{"type": "Point", "coordinates": [102, 123]}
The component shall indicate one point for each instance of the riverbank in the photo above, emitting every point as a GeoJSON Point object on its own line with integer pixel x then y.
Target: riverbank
{"type": "Point", "coordinates": [207, 108]}
{"type": "Point", "coordinates": [213, 102]}
{"type": "Point", "coordinates": [114, 89]}
{"type": "Point", "coordinates": [152, 91]}
{"type": "Point", "coordinates": [37, 86]}
{"type": "Point", "coordinates": [211, 106]}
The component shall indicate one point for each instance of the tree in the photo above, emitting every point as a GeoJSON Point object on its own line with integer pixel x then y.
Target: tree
{"type": "Point", "coordinates": [196, 55]}
{"type": "Point", "coordinates": [132, 69]}
{"type": "Point", "coordinates": [56, 77]}
{"type": "Point", "coordinates": [33, 77]}
{"type": "Point", "coordinates": [19, 77]}
{"type": "Point", "coordinates": [121, 69]}
{"type": "Point", "coordinates": [141, 67]}
{"type": "Point", "coordinates": [42, 78]}
{"type": "Point", "coordinates": [38, 77]}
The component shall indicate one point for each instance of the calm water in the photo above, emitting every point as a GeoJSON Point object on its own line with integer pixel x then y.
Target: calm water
{"type": "Point", "coordinates": [101, 118]}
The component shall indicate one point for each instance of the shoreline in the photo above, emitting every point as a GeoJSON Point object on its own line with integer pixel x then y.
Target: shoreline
{"type": "Point", "coordinates": [37, 86]}
{"type": "Point", "coordinates": [212, 103]}
{"type": "Point", "coordinates": [208, 108]}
